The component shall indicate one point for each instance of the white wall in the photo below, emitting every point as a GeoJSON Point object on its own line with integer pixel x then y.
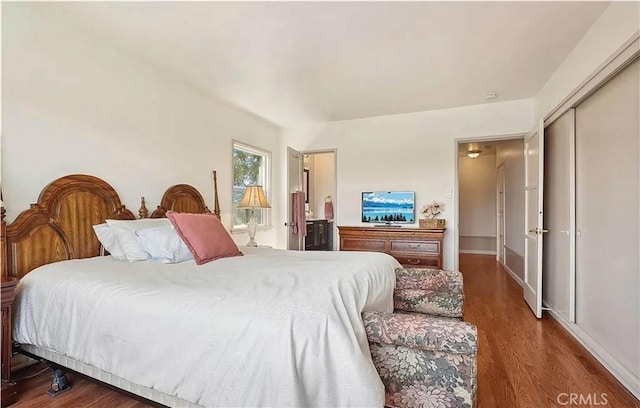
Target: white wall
{"type": "Point", "coordinates": [614, 27]}
{"type": "Point", "coordinates": [323, 181]}
{"type": "Point", "coordinates": [477, 202]}
{"type": "Point", "coordinates": [411, 152]}
{"type": "Point", "coordinates": [511, 153]}
{"type": "Point", "coordinates": [72, 104]}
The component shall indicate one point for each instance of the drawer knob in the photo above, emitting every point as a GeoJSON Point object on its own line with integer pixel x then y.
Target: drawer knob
{"type": "Point", "coordinates": [413, 261]}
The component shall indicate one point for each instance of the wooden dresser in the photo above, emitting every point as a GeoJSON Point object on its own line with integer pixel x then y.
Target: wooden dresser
{"type": "Point", "coordinates": [412, 247]}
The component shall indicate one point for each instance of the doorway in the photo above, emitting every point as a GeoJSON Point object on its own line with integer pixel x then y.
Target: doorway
{"type": "Point", "coordinates": [490, 200]}
{"type": "Point", "coordinates": [320, 187]}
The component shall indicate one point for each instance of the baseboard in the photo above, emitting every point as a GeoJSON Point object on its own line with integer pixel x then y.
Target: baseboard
{"type": "Point", "coordinates": [619, 371]}
{"type": "Point", "coordinates": [512, 274]}
{"type": "Point", "coordinates": [476, 252]}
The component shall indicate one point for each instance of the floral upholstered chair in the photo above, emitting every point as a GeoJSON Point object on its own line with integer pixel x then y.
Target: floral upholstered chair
{"type": "Point", "coordinates": [423, 361]}
{"type": "Point", "coordinates": [424, 354]}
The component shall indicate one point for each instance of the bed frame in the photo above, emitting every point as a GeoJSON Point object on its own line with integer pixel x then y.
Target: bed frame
{"type": "Point", "coordinates": [59, 226]}
{"type": "Point", "coordinates": [186, 199]}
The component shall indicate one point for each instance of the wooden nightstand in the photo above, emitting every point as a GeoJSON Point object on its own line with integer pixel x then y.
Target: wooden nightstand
{"type": "Point", "coordinates": [9, 394]}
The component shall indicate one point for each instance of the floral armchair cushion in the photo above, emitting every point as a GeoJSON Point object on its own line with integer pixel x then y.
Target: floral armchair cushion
{"type": "Point", "coordinates": [424, 361]}
{"type": "Point", "coordinates": [430, 291]}
{"type": "Point", "coordinates": [421, 332]}
{"type": "Point", "coordinates": [432, 280]}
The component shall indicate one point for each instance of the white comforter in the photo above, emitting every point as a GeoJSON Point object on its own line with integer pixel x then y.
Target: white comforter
{"type": "Point", "coordinates": [272, 328]}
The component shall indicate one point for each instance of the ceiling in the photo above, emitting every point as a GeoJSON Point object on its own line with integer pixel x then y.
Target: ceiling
{"type": "Point", "coordinates": [300, 62]}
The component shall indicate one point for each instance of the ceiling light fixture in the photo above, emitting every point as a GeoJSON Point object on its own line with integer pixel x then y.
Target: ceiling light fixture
{"type": "Point", "coordinates": [490, 95]}
{"type": "Point", "coordinates": [474, 154]}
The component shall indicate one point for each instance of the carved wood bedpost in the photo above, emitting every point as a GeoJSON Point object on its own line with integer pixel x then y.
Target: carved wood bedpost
{"type": "Point", "coordinates": [216, 203]}
{"type": "Point", "coordinates": [4, 253]}
{"type": "Point", "coordinates": [143, 212]}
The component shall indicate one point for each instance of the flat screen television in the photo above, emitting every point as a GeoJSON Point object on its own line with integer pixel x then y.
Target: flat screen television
{"type": "Point", "coordinates": [388, 207]}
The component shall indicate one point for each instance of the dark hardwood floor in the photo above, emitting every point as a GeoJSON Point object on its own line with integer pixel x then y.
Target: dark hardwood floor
{"type": "Point", "coordinates": [522, 362]}
{"type": "Point", "coordinates": [525, 362]}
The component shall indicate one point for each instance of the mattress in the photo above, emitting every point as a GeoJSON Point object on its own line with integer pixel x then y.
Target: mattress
{"type": "Point", "coordinates": [271, 328]}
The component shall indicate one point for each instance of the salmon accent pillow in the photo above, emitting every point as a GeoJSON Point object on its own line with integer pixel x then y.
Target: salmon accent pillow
{"type": "Point", "coordinates": [205, 236]}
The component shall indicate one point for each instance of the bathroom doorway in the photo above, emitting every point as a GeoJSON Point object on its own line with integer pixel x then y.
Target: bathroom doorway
{"type": "Point", "coordinates": [321, 205]}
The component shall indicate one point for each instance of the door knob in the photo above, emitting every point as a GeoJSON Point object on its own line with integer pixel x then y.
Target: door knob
{"type": "Point", "coordinates": [538, 231]}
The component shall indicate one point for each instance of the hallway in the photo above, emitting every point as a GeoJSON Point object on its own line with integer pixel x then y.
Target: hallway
{"type": "Point", "coordinates": [523, 362]}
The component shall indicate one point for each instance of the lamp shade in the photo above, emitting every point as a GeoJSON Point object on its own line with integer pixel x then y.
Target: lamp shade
{"type": "Point", "coordinates": [254, 197]}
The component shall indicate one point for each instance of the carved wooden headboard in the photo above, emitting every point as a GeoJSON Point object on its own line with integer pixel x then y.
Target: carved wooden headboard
{"type": "Point", "coordinates": [59, 226]}
{"type": "Point", "coordinates": [185, 198]}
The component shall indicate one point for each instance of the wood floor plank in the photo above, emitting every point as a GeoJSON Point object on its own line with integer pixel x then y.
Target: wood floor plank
{"type": "Point", "coordinates": [523, 362]}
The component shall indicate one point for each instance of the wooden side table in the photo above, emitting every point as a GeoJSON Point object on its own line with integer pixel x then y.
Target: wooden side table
{"type": "Point", "coordinates": [9, 393]}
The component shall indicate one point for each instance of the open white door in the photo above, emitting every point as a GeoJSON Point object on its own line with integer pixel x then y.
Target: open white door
{"type": "Point", "coordinates": [295, 169]}
{"type": "Point", "coordinates": [534, 177]}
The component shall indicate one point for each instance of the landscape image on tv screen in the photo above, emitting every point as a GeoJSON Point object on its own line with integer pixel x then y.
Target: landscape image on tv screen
{"type": "Point", "coordinates": [388, 207]}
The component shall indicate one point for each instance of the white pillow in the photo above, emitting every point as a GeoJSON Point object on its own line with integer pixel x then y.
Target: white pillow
{"type": "Point", "coordinates": [163, 244]}
{"type": "Point", "coordinates": [125, 230]}
{"type": "Point", "coordinates": [107, 237]}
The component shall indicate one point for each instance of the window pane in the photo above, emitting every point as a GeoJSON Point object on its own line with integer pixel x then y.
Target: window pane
{"type": "Point", "coordinates": [248, 169]}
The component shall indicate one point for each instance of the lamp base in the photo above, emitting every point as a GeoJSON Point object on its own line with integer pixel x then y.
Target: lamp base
{"type": "Point", "coordinates": [251, 229]}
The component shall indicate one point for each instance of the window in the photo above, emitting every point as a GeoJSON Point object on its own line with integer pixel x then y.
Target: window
{"type": "Point", "coordinates": [251, 166]}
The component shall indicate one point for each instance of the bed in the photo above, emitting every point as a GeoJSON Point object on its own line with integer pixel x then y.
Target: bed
{"type": "Point", "coordinates": [270, 328]}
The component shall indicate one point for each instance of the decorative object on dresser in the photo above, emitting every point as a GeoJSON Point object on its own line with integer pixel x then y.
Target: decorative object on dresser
{"type": "Point", "coordinates": [319, 235]}
{"type": "Point", "coordinates": [9, 394]}
{"type": "Point", "coordinates": [415, 247]}
{"type": "Point", "coordinates": [254, 197]}
{"type": "Point", "coordinates": [430, 212]}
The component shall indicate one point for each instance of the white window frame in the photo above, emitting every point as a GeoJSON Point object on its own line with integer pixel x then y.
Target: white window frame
{"type": "Point", "coordinates": [266, 185]}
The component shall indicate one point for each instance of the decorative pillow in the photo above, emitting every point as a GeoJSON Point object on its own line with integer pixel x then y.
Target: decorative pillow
{"type": "Point", "coordinates": [205, 236]}
{"type": "Point", "coordinates": [126, 232]}
{"type": "Point", "coordinates": [107, 237]}
{"type": "Point", "coordinates": [163, 244]}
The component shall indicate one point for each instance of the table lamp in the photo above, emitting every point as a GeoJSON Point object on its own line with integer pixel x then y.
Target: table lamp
{"type": "Point", "coordinates": [254, 197]}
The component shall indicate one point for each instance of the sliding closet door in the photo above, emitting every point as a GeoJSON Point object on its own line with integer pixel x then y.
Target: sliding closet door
{"type": "Point", "coordinates": [557, 272]}
{"type": "Point", "coordinates": [607, 199]}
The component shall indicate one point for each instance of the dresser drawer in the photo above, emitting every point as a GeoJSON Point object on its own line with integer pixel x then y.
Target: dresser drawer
{"type": "Point", "coordinates": [412, 247]}
{"type": "Point", "coordinates": [355, 244]}
{"type": "Point", "coordinates": [417, 261]}
{"type": "Point", "coordinates": [415, 246]}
